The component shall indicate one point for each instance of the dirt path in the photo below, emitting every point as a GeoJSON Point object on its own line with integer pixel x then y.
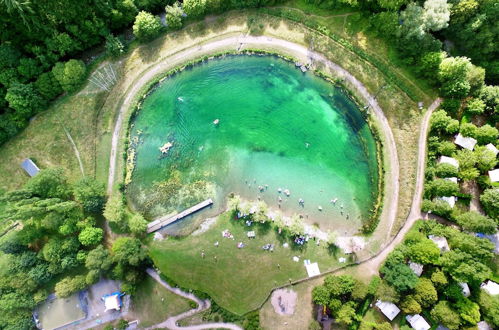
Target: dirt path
{"type": "Point", "coordinates": [202, 305]}
{"type": "Point", "coordinates": [372, 265]}
{"type": "Point", "coordinates": [77, 153]}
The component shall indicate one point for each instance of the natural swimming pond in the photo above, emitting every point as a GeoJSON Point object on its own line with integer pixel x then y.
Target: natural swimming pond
{"type": "Point", "coordinates": [252, 125]}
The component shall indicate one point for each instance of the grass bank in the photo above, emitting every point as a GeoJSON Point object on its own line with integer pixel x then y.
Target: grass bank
{"type": "Point", "coordinates": [239, 280]}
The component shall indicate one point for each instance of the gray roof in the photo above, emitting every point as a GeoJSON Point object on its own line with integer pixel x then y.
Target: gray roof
{"type": "Point", "coordinates": [30, 167]}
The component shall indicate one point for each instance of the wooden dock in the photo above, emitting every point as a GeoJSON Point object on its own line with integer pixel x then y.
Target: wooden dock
{"type": "Point", "coordinates": [165, 221]}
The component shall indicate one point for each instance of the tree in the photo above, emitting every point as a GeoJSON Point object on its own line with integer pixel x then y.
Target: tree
{"type": "Point", "coordinates": [387, 293]}
{"type": "Point", "coordinates": [442, 187]}
{"type": "Point", "coordinates": [194, 8]}
{"type": "Point", "coordinates": [436, 14]}
{"type": "Point", "coordinates": [98, 259]}
{"type": "Point", "coordinates": [90, 236]}
{"type": "Point", "coordinates": [475, 222]}
{"type": "Point", "coordinates": [413, 21]}
{"type": "Point", "coordinates": [25, 100]}
{"type": "Point", "coordinates": [447, 148]}
{"type": "Point", "coordinates": [430, 63]}
{"type": "Point", "coordinates": [146, 26]}
{"type": "Point", "coordinates": [490, 202]}
{"type": "Point", "coordinates": [391, 4]}
{"type": "Point", "coordinates": [114, 46]}
{"type": "Point", "coordinates": [486, 159]}
{"type": "Point", "coordinates": [439, 279]}
{"type": "Point", "coordinates": [174, 15]}
{"type": "Point", "coordinates": [90, 194]}
{"type": "Point", "coordinates": [425, 252]}
{"type": "Point", "coordinates": [48, 86]}
{"type": "Point", "coordinates": [400, 276]}
{"type": "Point", "coordinates": [466, 158]}
{"type": "Point", "coordinates": [452, 75]}
{"type": "Point", "coordinates": [137, 224]}
{"type": "Point", "coordinates": [346, 314]}
{"type": "Point", "coordinates": [69, 285]}
{"type": "Point", "coordinates": [451, 105]}
{"type": "Point", "coordinates": [128, 251]}
{"type": "Point", "coordinates": [445, 170]}
{"type": "Point", "coordinates": [425, 293]}
{"type": "Point", "coordinates": [489, 306]}
{"type": "Point", "coordinates": [441, 122]}
{"type": "Point", "coordinates": [490, 96]}
{"type": "Point", "coordinates": [115, 211]}
{"type": "Point", "coordinates": [487, 134]}
{"type": "Point", "coordinates": [468, 129]}
{"type": "Point", "coordinates": [360, 291]}
{"type": "Point", "coordinates": [321, 295]}
{"type": "Point", "coordinates": [49, 183]}
{"type": "Point", "coordinates": [339, 285]}
{"type": "Point", "coordinates": [468, 310]}
{"type": "Point", "coordinates": [70, 74]}
{"type": "Point", "coordinates": [445, 315]}
{"type": "Point", "coordinates": [29, 68]}
{"type": "Point", "coordinates": [463, 267]}
{"type": "Point", "coordinates": [409, 305]}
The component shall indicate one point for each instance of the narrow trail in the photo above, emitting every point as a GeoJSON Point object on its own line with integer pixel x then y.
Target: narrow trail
{"type": "Point", "coordinates": [77, 153]}
{"type": "Point", "coordinates": [372, 265]}
{"type": "Point", "coordinates": [202, 305]}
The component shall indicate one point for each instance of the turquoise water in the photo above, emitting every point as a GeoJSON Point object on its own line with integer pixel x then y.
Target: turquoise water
{"type": "Point", "coordinates": [278, 128]}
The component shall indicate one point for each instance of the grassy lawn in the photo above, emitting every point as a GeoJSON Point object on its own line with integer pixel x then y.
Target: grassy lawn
{"type": "Point", "coordinates": [238, 279]}
{"type": "Point", "coordinates": [153, 303]}
{"type": "Point", "coordinates": [46, 143]}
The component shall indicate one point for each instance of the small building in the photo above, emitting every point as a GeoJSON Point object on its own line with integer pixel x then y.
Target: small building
{"type": "Point", "coordinates": [448, 160]}
{"type": "Point", "coordinates": [417, 322]}
{"type": "Point", "coordinates": [451, 200]}
{"type": "Point", "coordinates": [441, 242]}
{"type": "Point", "coordinates": [491, 287]}
{"type": "Point", "coordinates": [492, 148]}
{"type": "Point", "coordinates": [30, 167]}
{"type": "Point", "coordinates": [251, 234]}
{"type": "Point", "coordinates": [465, 289]}
{"type": "Point", "coordinates": [494, 175]}
{"type": "Point", "coordinates": [482, 325]}
{"type": "Point", "coordinates": [112, 301]}
{"type": "Point", "coordinates": [416, 268]}
{"type": "Point", "coordinates": [390, 310]}
{"type": "Point", "coordinates": [451, 179]}
{"type": "Point", "coordinates": [465, 142]}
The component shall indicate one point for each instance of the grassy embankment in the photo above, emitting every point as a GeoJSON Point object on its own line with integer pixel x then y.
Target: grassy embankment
{"type": "Point", "coordinates": [153, 303]}
{"type": "Point", "coordinates": [238, 279]}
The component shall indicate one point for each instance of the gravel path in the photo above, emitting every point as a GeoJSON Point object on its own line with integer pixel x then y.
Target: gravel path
{"type": "Point", "coordinates": [171, 322]}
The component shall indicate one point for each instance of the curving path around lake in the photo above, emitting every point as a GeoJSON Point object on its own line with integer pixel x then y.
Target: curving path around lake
{"type": "Point", "coordinates": [238, 42]}
{"type": "Point", "coordinates": [202, 305]}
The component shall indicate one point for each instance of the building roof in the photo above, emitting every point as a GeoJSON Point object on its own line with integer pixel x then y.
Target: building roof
{"type": "Point", "coordinates": [465, 289]}
{"type": "Point", "coordinates": [441, 327]}
{"type": "Point", "coordinates": [417, 322]}
{"type": "Point", "coordinates": [416, 268]}
{"type": "Point", "coordinates": [491, 287]}
{"type": "Point", "coordinates": [112, 301]}
{"type": "Point", "coordinates": [441, 242]}
{"type": "Point", "coordinates": [451, 200]}
{"type": "Point", "coordinates": [448, 160]}
{"type": "Point", "coordinates": [30, 167]}
{"type": "Point", "coordinates": [494, 175]}
{"type": "Point", "coordinates": [389, 309]}
{"type": "Point", "coordinates": [482, 325]}
{"type": "Point", "coordinates": [465, 142]}
{"type": "Point", "coordinates": [492, 148]}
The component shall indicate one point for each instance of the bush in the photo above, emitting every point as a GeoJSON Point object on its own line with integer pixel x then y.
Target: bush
{"type": "Point", "coordinates": [445, 170]}
{"type": "Point", "coordinates": [48, 86]}
{"type": "Point", "coordinates": [70, 75]}
{"type": "Point", "coordinates": [174, 16]}
{"type": "Point", "coordinates": [475, 107]}
{"type": "Point", "coordinates": [114, 46]}
{"type": "Point", "coordinates": [475, 222]}
{"type": "Point", "coordinates": [194, 8]}
{"type": "Point", "coordinates": [490, 202]}
{"type": "Point", "coordinates": [146, 26]}
{"type": "Point", "coordinates": [451, 105]}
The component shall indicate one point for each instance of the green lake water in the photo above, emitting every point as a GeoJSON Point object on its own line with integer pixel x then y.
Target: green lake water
{"type": "Point", "coordinates": [278, 128]}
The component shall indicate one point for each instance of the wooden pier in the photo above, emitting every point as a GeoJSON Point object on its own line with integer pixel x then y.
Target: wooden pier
{"type": "Point", "coordinates": [165, 221]}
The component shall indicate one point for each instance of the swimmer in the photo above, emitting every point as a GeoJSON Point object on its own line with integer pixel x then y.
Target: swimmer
{"type": "Point", "coordinates": [320, 208]}
{"type": "Point", "coordinates": [279, 190]}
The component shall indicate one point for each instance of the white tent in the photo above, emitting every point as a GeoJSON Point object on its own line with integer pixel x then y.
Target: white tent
{"type": "Point", "coordinates": [451, 200]}
{"type": "Point", "coordinates": [448, 160]}
{"type": "Point", "coordinates": [389, 309]}
{"type": "Point", "coordinates": [465, 142]}
{"type": "Point", "coordinates": [494, 239]}
{"type": "Point", "coordinates": [494, 175]}
{"type": "Point", "coordinates": [441, 242]}
{"type": "Point", "coordinates": [313, 269]}
{"type": "Point", "coordinates": [491, 287]}
{"type": "Point", "coordinates": [417, 322]}
{"type": "Point", "coordinates": [452, 179]}
{"type": "Point", "coordinates": [465, 289]}
{"type": "Point", "coordinates": [492, 148]}
{"type": "Point", "coordinates": [482, 325]}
